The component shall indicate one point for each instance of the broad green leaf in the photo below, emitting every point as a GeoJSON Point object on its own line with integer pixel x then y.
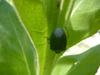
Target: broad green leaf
{"type": "Point", "coordinates": [33, 15]}
{"type": "Point", "coordinates": [84, 20]}
{"type": "Point", "coordinates": [17, 53]}
{"type": "Point", "coordinates": [86, 63]}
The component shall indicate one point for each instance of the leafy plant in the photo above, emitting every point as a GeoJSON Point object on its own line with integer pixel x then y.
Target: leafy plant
{"type": "Point", "coordinates": [25, 30]}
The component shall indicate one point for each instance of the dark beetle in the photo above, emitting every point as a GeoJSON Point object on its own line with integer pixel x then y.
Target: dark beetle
{"type": "Point", "coordinates": [58, 40]}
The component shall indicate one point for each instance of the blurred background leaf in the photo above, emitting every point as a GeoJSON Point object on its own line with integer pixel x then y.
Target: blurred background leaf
{"type": "Point", "coordinates": [84, 20]}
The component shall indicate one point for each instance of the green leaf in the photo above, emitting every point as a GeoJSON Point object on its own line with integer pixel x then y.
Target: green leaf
{"type": "Point", "coordinates": [17, 53]}
{"type": "Point", "coordinates": [84, 20]}
{"type": "Point", "coordinates": [33, 15]}
{"type": "Point", "coordinates": [63, 65]}
{"type": "Point", "coordinates": [52, 12]}
{"type": "Point", "coordinates": [86, 63]}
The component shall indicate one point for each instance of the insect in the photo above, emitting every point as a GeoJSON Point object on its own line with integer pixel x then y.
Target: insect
{"type": "Point", "coordinates": [58, 40]}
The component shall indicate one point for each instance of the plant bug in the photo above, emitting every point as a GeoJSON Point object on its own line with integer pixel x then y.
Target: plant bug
{"type": "Point", "coordinates": [58, 40]}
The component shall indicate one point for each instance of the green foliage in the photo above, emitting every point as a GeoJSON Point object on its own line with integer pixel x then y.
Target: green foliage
{"type": "Point", "coordinates": [84, 20]}
{"type": "Point", "coordinates": [17, 53]}
{"type": "Point", "coordinates": [86, 63]}
{"type": "Point", "coordinates": [25, 21]}
{"type": "Point", "coordinates": [34, 18]}
{"type": "Point", "coordinates": [40, 21]}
